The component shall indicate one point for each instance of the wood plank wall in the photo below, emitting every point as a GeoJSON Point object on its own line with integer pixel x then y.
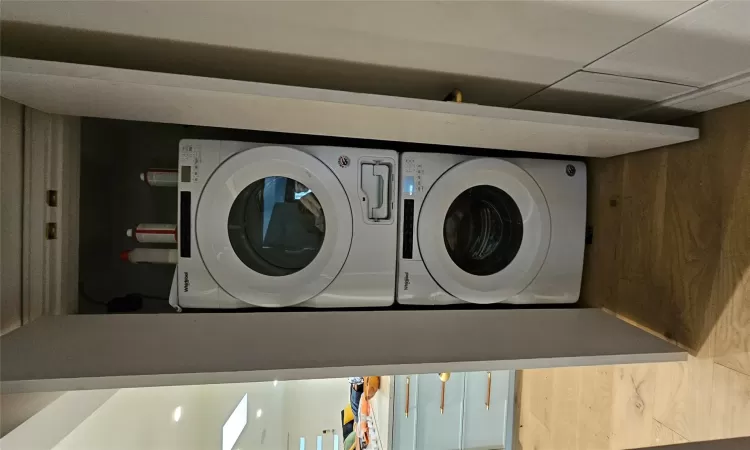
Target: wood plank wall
{"type": "Point", "coordinates": [671, 253]}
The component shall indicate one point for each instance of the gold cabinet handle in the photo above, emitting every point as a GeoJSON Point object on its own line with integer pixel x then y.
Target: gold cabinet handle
{"type": "Point", "coordinates": [489, 390]}
{"type": "Point", "coordinates": [444, 377]}
{"type": "Point", "coordinates": [408, 385]}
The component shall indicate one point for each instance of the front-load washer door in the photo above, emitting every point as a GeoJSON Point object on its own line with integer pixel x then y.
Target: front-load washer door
{"type": "Point", "coordinates": [484, 230]}
{"type": "Point", "coordinates": [273, 226]}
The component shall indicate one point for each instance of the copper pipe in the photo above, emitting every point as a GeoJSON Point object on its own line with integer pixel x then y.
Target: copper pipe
{"type": "Point", "coordinates": [454, 96]}
{"type": "Point", "coordinates": [489, 390]}
{"type": "Point", "coordinates": [442, 398]}
{"type": "Point", "coordinates": [444, 377]}
{"type": "Point", "coordinates": [408, 385]}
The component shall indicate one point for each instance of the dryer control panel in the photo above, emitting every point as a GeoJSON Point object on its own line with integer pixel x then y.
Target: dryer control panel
{"type": "Point", "coordinates": [190, 159]}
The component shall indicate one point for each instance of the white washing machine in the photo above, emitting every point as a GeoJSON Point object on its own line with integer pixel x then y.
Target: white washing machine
{"type": "Point", "coordinates": [490, 230]}
{"type": "Point", "coordinates": [274, 226]}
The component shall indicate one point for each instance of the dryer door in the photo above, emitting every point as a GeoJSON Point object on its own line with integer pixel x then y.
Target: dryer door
{"type": "Point", "coordinates": [484, 230]}
{"type": "Point", "coordinates": [273, 226]}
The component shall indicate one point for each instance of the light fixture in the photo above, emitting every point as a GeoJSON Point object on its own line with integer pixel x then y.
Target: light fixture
{"type": "Point", "coordinates": [275, 383]}
{"type": "Point", "coordinates": [258, 413]}
{"type": "Point", "coordinates": [177, 414]}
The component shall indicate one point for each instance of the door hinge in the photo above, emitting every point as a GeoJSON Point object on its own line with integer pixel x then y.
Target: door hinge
{"type": "Point", "coordinates": [51, 230]}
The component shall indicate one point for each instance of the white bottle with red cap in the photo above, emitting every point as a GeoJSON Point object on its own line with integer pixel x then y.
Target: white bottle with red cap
{"type": "Point", "coordinates": [160, 177]}
{"type": "Point", "coordinates": [154, 233]}
{"type": "Point", "coordinates": [150, 255]}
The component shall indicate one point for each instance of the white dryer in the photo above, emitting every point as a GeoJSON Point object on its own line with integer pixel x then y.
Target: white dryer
{"type": "Point", "coordinates": [274, 226]}
{"type": "Point", "coordinates": [490, 230]}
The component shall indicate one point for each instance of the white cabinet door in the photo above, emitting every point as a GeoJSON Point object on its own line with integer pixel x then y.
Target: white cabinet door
{"type": "Point", "coordinates": [465, 422]}
{"type": "Point", "coordinates": [601, 95]}
{"type": "Point", "coordinates": [484, 424]}
{"type": "Point", "coordinates": [404, 412]}
{"type": "Point", "coordinates": [436, 429]}
{"type": "Point", "coordinates": [705, 45]}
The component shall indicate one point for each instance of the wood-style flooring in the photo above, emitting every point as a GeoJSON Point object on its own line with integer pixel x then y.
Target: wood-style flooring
{"type": "Point", "coordinates": [670, 253]}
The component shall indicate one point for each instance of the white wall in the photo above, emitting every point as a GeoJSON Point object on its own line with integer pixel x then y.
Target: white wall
{"type": "Point", "coordinates": [15, 409]}
{"type": "Point", "coordinates": [312, 406]}
{"type": "Point", "coordinates": [265, 432]}
{"type": "Point", "coordinates": [143, 418]}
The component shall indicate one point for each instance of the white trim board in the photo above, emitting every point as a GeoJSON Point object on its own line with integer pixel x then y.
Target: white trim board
{"type": "Point", "coordinates": [727, 92]}
{"type": "Point", "coordinates": [82, 90]}
{"type": "Point", "coordinates": [11, 215]}
{"type": "Point", "coordinates": [50, 266]}
{"type": "Point", "coordinates": [133, 350]}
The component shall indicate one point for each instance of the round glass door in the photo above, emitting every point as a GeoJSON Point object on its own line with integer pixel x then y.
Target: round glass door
{"type": "Point", "coordinates": [273, 226]}
{"type": "Point", "coordinates": [276, 226]}
{"type": "Point", "coordinates": [483, 230]}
